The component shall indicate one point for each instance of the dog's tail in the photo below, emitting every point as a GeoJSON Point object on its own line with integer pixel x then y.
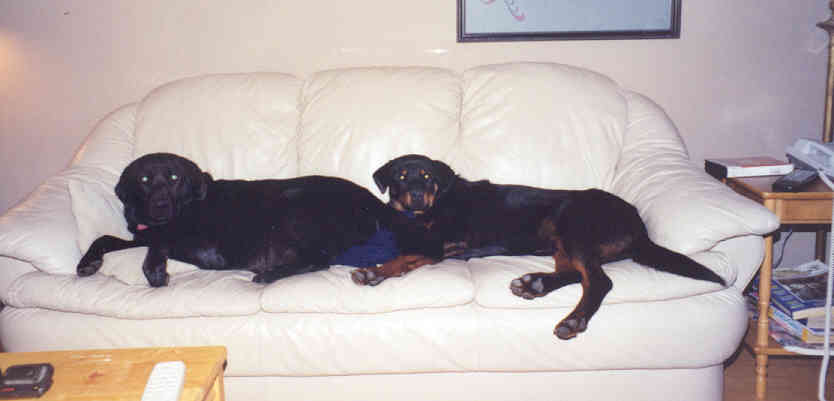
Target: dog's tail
{"type": "Point", "coordinates": [660, 258]}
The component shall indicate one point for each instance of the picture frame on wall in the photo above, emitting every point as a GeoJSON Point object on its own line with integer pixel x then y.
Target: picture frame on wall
{"type": "Point", "coordinates": [516, 20]}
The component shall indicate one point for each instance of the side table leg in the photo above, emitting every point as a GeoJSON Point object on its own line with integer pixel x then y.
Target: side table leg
{"type": "Point", "coordinates": [762, 333]}
{"type": "Point", "coordinates": [819, 248]}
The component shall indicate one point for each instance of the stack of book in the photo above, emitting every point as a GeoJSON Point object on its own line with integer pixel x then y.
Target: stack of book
{"type": "Point", "coordinates": [797, 305]}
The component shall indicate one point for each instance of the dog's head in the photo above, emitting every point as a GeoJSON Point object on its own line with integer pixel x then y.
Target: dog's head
{"type": "Point", "coordinates": [155, 188]}
{"type": "Point", "coordinates": [415, 181]}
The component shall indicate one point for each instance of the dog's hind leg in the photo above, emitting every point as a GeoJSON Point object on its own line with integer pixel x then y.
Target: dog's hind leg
{"type": "Point", "coordinates": [278, 272]}
{"type": "Point", "coordinates": [534, 285]}
{"type": "Point", "coordinates": [572, 268]}
{"type": "Point", "coordinates": [283, 259]}
{"type": "Point", "coordinates": [595, 285]}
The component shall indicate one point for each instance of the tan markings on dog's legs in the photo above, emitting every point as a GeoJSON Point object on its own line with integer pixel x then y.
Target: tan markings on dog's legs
{"type": "Point", "coordinates": [393, 268]}
{"type": "Point", "coordinates": [576, 321]}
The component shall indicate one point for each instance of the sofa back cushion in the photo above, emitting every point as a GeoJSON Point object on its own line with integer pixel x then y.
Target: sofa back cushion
{"type": "Point", "coordinates": [354, 120]}
{"type": "Point", "coordinates": [538, 124]}
{"type": "Point", "coordinates": [231, 125]}
{"type": "Point", "coordinates": [547, 125]}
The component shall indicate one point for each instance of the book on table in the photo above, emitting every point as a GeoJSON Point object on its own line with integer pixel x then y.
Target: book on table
{"type": "Point", "coordinates": [752, 166]}
{"type": "Point", "coordinates": [787, 335]}
{"type": "Point", "coordinates": [810, 330]}
{"type": "Point", "coordinates": [799, 291]}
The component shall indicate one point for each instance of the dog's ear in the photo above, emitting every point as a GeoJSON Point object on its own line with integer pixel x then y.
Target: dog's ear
{"type": "Point", "coordinates": [382, 176]}
{"type": "Point", "coordinates": [122, 191]}
{"type": "Point", "coordinates": [127, 194]}
{"type": "Point", "coordinates": [443, 175]}
{"type": "Point", "coordinates": [200, 185]}
{"type": "Point", "coordinates": [196, 184]}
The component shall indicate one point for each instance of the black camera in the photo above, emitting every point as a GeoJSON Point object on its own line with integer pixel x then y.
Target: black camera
{"type": "Point", "coordinates": [26, 381]}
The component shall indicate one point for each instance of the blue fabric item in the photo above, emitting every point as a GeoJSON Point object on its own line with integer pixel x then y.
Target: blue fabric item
{"type": "Point", "coordinates": [380, 248]}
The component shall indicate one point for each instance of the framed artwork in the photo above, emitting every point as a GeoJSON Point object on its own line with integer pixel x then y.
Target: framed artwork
{"type": "Point", "coordinates": [508, 20]}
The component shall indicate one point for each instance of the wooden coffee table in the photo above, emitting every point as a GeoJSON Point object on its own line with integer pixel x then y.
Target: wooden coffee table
{"type": "Point", "coordinates": [121, 374]}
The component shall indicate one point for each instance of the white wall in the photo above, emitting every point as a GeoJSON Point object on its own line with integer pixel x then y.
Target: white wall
{"type": "Point", "coordinates": [746, 77]}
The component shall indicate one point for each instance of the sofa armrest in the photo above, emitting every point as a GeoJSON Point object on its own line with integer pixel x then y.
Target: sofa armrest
{"type": "Point", "coordinates": [42, 229]}
{"type": "Point", "coordinates": [10, 270]}
{"type": "Point", "coordinates": [684, 208]}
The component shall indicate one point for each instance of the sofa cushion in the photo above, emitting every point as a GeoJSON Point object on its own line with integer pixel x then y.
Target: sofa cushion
{"type": "Point", "coordinates": [332, 291]}
{"type": "Point", "coordinates": [235, 126]}
{"type": "Point", "coordinates": [632, 282]}
{"type": "Point", "coordinates": [546, 125]}
{"type": "Point", "coordinates": [97, 212]}
{"type": "Point", "coordinates": [355, 120]}
{"type": "Point", "coordinates": [120, 290]}
{"type": "Point", "coordinates": [690, 332]}
{"type": "Point", "coordinates": [199, 293]}
{"type": "Point", "coordinates": [42, 229]}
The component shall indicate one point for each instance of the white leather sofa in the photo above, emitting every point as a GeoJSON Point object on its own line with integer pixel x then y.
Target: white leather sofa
{"type": "Point", "coordinates": [451, 331]}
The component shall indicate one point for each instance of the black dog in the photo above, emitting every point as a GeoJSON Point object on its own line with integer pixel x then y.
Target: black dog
{"type": "Point", "coordinates": [275, 228]}
{"type": "Point", "coordinates": [583, 230]}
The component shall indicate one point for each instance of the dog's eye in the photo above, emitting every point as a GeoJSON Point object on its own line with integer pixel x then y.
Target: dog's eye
{"type": "Point", "coordinates": [174, 177]}
{"type": "Point", "coordinates": [144, 179]}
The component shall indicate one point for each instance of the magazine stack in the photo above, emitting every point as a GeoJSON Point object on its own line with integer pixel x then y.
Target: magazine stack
{"type": "Point", "coordinates": [797, 305]}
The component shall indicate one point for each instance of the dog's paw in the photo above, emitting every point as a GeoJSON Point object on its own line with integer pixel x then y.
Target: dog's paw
{"type": "Point", "coordinates": [529, 286]}
{"type": "Point", "coordinates": [157, 279]}
{"type": "Point", "coordinates": [366, 277]}
{"type": "Point", "coordinates": [570, 327]}
{"type": "Point", "coordinates": [264, 278]}
{"type": "Point", "coordinates": [88, 267]}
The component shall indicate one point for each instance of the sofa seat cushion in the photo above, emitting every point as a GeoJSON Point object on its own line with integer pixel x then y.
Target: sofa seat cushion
{"type": "Point", "coordinates": [120, 290]}
{"type": "Point", "coordinates": [332, 291]}
{"type": "Point", "coordinates": [191, 294]}
{"type": "Point", "coordinates": [632, 282]}
{"type": "Point", "coordinates": [697, 331]}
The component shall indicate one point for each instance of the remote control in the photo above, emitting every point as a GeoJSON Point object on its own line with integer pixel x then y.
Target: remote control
{"type": "Point", "coordinates": [165, 382]}
{"type": "Point", "coordinates": [794, 181]}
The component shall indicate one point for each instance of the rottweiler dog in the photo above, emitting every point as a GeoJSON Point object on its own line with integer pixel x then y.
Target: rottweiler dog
{"type": "Point", "coordinates": [275, 228]}
{"type": "Point", "coordinates": [581, 229]}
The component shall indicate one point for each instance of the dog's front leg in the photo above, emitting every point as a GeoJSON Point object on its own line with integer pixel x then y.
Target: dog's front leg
{"type": "Point", "coordinates": [155, 266]}
{"type": "Point", "coordinates": [393, 268]}
{"type": "Point", "coordinates": [91, 262]}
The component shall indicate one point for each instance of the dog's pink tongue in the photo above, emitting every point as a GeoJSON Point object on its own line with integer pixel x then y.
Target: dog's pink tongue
{"type": "Point", "coordinates": [141, 227]}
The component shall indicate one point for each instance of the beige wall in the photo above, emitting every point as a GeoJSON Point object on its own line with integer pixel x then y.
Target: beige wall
{"type": "Point", "coordinates": [746, 77]}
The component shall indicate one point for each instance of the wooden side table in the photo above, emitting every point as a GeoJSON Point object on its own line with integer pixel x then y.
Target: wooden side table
{"type": "Point", "coordinates": [813, 206]}
{"type": "Point", "coordinates": [121, 374]}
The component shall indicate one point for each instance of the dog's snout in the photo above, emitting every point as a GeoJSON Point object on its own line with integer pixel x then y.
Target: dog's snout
{"type": "Point", "coordinates": [161, 202]}
{"type": "Point", "coordinates": [160, 206]}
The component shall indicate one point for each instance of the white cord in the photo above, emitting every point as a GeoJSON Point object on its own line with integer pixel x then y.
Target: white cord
{"type": "Point", "coordinates": [827, 336]}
